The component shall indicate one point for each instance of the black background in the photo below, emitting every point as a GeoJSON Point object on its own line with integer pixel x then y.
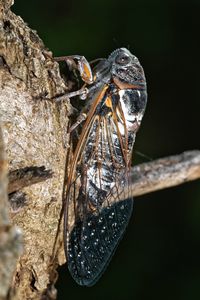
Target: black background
{"type": "Point", "coordinates": [159, 255]}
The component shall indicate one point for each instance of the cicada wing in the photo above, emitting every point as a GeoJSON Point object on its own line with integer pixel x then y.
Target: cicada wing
{"type": "Point", "coordinates": [98, 217]}
{"type": "Point", "coordinates": [93, 241]}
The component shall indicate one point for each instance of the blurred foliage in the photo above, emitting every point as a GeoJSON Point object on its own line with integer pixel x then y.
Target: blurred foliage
{"type": "Point", "coordinates": [159, 256]}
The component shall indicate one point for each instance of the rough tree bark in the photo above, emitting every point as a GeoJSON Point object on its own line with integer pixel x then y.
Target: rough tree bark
{"type": "Point", "coordinates": [36, 143]}
{"type": "Point", "coordinates": [34, 133]}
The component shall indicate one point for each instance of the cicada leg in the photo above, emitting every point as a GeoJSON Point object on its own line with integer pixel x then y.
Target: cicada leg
{"type": "Point", "coordinates": [81, 64]}
{"type": "Point", "coordinates": [80, 119]}
{"type": "Point", "coordinates": [83, 92]}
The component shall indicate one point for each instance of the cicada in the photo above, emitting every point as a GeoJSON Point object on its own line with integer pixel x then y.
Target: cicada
{"type": "Point", "coordinates": [98, 205]}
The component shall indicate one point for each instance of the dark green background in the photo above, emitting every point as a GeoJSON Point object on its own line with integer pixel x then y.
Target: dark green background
{"type": "Point", "coordinates": [159, 255]}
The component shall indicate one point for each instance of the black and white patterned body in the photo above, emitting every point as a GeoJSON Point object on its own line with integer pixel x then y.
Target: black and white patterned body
{"type": "Point", "coordinates": [97, 210]}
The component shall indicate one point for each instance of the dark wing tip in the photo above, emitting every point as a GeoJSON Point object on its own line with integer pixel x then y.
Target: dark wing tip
{"type": "Point", "coordinates": [93, 242]}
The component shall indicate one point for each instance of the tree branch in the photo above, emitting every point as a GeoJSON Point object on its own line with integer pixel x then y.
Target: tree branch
{"type": "Point", "coordinates": [159, 174]}
{"type": "Point", "coordinates": [164, 173]}
{"type": "Point", "coordinates": [35, 135]}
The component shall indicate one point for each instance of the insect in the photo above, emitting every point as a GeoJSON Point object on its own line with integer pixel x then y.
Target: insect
{"type": "Point", "coordinates": [97, 208]}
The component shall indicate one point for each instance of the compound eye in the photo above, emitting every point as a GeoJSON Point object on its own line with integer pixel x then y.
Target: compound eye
{"type": "Point", "coordinates": [122, 59]}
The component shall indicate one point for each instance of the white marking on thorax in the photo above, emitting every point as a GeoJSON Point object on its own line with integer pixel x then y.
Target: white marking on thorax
{"type": "Point", "coordinates": [128, 117]}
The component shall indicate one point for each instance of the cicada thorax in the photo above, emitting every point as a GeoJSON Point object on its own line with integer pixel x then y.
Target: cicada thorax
{"type": "Point", "coordinates": [98, 205]}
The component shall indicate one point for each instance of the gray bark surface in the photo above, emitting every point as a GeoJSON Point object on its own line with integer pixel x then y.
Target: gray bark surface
{"type": "Point", "coordinates": [35, 134]}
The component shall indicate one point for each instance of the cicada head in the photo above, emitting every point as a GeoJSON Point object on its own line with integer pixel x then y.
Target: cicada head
{"type": "Point", "coordinates": [126, 69]}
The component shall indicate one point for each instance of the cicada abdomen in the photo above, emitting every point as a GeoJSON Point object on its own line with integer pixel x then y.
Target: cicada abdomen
{"type": "Point", "coordinates": [98, 205]}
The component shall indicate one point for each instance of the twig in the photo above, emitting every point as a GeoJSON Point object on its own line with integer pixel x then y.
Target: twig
{"type": "Point", "coordinates": [165, 172]}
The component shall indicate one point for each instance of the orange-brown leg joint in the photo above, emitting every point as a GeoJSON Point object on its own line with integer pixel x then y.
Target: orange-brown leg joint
{"type": "Point", "coordinates": [87, 75]}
